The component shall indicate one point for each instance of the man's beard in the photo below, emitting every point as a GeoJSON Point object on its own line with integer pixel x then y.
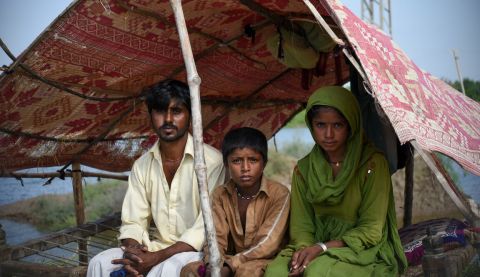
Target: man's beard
{"type": "Point", "coordinates": [169, 138]}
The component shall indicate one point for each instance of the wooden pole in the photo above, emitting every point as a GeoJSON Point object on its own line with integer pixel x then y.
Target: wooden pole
{"type": "Point", "coordinates": [390, 19]}
{"type": "Point", "coordinates": [446, 183]}
{"type": "Point", "coordinates": [408, 195]}
{"type": "Point", "coordinates": [199, 159]}
{"type": "Point", "coordinates": [79, 207]}
{"type": "Point", "coordinates": [459, 73]}
{"type": "Point", "coordinates": [323, 23]}
{"type": "Point", "coordinates": [78, 193]}
{"type": "Point", "coordinates": [65, 174]}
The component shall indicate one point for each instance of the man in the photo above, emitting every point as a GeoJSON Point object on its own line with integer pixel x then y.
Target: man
{"type": "Point", "coordinates": [163, 187]}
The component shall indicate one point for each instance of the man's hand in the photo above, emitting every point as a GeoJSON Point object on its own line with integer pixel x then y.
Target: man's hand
{"type": "Point", "coordinates": [302, 257]}
{"type": "Point", "coordinates": [136, 258]}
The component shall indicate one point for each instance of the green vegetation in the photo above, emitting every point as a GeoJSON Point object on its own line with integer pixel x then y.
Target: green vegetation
{"type": "Point", "coordinates": [296, 149]}
{"type": "Point", "coordinates": [279, 167]}
{"type": "Point", "coordinates": [472, 88]}
{"type": "Point", "coordinates": [297, 121]}
{"type": "Point", "coordinates": [55, 212]}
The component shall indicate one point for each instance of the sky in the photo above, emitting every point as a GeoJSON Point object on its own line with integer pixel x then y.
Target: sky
{"type": "Point", "coordinates": [427, 30]}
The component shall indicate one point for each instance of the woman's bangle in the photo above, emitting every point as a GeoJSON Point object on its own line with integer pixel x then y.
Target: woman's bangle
{"type": "Point", "coordinates": [323, 246]}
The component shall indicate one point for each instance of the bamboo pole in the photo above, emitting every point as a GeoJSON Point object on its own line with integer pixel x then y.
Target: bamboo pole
{"type": "Point", "coordinates": [199, 159]}
{"type": "Point", "coordinates": [64, 174]}
{"type": "Point", "coordinates": [337, 40]}
{"type": "Point", "coordinates": [323, 23]}
{"type": "Point", "coordinates": [79, 206]}
{"type": "Point", "coordinates": [459, 73]}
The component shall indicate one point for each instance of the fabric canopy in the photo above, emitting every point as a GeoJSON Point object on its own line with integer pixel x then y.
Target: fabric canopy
{"type": "Point", "coordinates": [74, 94]}
{"type": "Point", "coordinates": [419, 106]}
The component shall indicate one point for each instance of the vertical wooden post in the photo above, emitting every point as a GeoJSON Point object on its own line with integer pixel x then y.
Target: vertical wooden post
{"type": "Point", "coordinates": [78, 193]}
{"type": "Point", "coordinates": [79, 208]}
{"type": "Point", "coordinates": [199, 159]}
{"type": "Point", "coordinates": [3, 237]}
{"type": "Point", "coordinates": [408, 193]}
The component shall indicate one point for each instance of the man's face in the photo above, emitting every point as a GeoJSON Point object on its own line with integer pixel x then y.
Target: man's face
{"type": "Point", "coordinates": [172, 123]}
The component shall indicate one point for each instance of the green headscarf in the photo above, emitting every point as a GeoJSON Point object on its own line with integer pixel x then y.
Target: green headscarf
{"type": "Point", "coordinates": [315, 168]}
{"type": "Point", "coordinates": [321, 187]}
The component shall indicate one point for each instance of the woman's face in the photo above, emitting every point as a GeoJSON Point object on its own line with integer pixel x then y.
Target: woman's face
{"type": "Point", "coordinates": [330, 132]}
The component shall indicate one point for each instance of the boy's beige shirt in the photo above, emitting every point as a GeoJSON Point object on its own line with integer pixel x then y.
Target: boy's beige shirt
{"type": "Point", "coordinates": [176, 210]}
{"type": "Point", "coordinates": [266, 222]}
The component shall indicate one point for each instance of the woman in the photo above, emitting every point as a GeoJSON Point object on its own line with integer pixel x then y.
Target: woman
{"type": "Point", "coordinates": [342, 211]}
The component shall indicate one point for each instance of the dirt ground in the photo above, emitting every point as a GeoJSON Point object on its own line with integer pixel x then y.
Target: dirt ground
{"type": "Point", "coordinates": [429, 199]}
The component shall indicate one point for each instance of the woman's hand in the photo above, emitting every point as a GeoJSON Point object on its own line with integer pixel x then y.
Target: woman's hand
{"type": "Point", "coordinates": [302, 257]}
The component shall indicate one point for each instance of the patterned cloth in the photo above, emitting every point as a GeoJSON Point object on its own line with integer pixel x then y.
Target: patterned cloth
{"type": "Point", "coordinates": [452, 232]}
{"type": "Point", "coordinates": [113, 49]}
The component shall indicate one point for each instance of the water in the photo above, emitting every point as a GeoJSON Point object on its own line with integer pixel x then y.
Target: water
{"type": "Point", "coordinates": [11, 189]}
{"type": "Point", "coordinates": [17, 233]}
{"type": "Point", "coordinates": [469, 183]}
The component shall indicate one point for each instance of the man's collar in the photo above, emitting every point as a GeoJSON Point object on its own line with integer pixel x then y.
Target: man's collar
{"type": "Point", "coordinates": [189, 150]}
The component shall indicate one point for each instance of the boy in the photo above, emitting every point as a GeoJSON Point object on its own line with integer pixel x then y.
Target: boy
{"type": "Point", "coordinates": [250, 212]}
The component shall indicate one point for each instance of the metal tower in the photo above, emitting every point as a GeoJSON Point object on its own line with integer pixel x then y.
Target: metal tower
{"type": "Point", "coordinates": [379, 13]}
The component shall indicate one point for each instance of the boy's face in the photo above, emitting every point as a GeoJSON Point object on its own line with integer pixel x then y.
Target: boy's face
{"type": "Point", "coordinates": [245, 166]}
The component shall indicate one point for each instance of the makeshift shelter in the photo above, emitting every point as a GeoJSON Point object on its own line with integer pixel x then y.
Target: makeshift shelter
{"type": "Point", "coordinates": [75, 94]}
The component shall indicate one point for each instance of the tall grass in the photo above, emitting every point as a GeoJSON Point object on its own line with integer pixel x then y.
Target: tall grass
{"type": "Point", "coordinates": [55, 212]}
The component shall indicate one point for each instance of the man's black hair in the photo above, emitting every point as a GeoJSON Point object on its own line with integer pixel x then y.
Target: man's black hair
{"type": "Point", "coordinates": [245, 137]}
{"type": "Point", "coordinates": [159, 95]}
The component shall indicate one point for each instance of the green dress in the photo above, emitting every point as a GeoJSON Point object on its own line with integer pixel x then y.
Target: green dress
{"type": "Point", "coordinates": [356, 206]}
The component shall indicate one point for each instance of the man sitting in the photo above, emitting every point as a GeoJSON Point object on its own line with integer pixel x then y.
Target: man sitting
{"type": "Point", "coordinates": [163, 186]}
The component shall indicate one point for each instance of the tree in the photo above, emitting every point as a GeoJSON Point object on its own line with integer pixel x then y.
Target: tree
{"type": "Point", "coordinates": [472, 88]}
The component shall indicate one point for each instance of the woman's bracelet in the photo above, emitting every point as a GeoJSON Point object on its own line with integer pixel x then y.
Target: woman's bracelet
{"type": "Point", "coordinates": [323, 246]}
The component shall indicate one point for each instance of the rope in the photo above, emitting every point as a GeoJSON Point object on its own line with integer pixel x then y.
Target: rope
{"type": "Point", "coordinates": [59, 85]}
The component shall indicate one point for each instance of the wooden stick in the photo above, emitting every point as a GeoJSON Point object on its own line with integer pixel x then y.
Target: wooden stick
{"type": "Point", "coordinates": [78, 193]}
{"type": "Point", "coordinates": [337, 40]}
{"type": "Point", "coordinates": [65, 174]}
{"type": "Point", "coordinates": [447, 186]}
{"type": "Point", "coordinates": [323, 23]}
{"type": "Point", "coordinates": [21, 268]}
{"type": "Point", "coordinates": [408, 195]}
{"type": "Point", "coordinates": [17, 252]}
{"type": "Point", "coordinates": [199, 160]}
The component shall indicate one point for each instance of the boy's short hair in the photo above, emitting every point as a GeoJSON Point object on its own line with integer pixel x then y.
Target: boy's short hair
{"type": "Point", "coordinates": [245, 137]}
{"type": "Point", "coordinates": [159, 95]}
